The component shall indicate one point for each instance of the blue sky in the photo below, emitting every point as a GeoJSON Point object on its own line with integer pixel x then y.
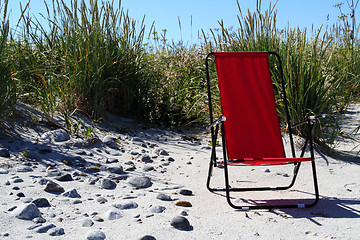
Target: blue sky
{"type": "Point", "coordinates": [205, 13]}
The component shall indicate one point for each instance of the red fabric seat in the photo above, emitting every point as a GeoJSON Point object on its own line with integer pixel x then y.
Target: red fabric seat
{"type": "Point", "coordinates": [247, 100]}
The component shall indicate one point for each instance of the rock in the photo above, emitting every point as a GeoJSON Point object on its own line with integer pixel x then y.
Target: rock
{"type": "Point", "coordinates": [148, 168]}
{"type": "Point", "coordinates": [124, 205]}
{"type": "Point", "coordinates": [113, 214]}
{"type": "Point", "coordinates": [53, 187]}
{"type": "Point", "coordinates": [185, 192]}
{"type": "Point", "coordinates": [26, 199]}
{"type": "Point", "coordinates": [156, 209]}
{"type": "Point", "coordinates": [110, 141]}
{"type": "Point", "coordinates": [111, 160]}
{"type": "Point", "coordinates": [87, 222]}
{"type": "Point", "coordinates": [65, 178]}
{"type": "Point", "coordinates": [95, 235]}
{"type": "Point", "coordinates": [20, 195]}
{"type": "Point", "coordinates": [137, 140]}
{"type": "Point", "coordinates": [77, 201]}
{"type": "Point", "coordinates": [163, 197]}
{"type": "Point", "coordinates": [180, 223]}
{"type": "Point", "coordinates": [27, 212]}
{"type": "Point", "coordinates": [57, 231]}
{"type": "Point", "coordinates": [183, 203]}
{"type": "Point", "coordinates": [4, 153]}
{"type": "Point", "coordinates": [116, 170]}
{"type": "Point", "coordinates": [41, 202]}
{"type": "Point", "coordinates": [72, 193]}
{"type": "Point", "coordinates": [184, 213]}
{"type": "Point", "coordinates": [16, 180]}
{"type": "Point", "coordinates": [98, 219]}
{"type": "Point", "coordinates": [140, 182]}
{"type": "Point", "coordinates": [108, 184]}
{"type": "Point", "coordinates": [147, 237]}
{"type": "Point", "coordinates": [53, 173]}
{"type": "Point", "coordinates": [44, 229]}
{"type": "Point", "coordinates": [59, 135]}
{"type": "Point", "coordinates": [24, 169]}
{"type": "Point", "coordinates": [161, 151]}
{"type": "Point", "coordinates": [3, 171]}
{"type": "Point", "coordinates": [39, 220]}
{"type": "Point", "coordinates": [101, 200]}
{"type": "Point", "coordinates": [43, 181]}
{"type": "Point", "coordinates": [146, 158]}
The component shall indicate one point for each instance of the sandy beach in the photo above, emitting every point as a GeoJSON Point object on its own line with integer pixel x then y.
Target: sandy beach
{"type": "Point", "coordinates": [132, 181]}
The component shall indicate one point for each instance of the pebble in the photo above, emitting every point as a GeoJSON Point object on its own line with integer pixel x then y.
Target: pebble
{"type": "Point", "coordinates": [161, 151]}
{"type": "Point", "coordinates": [44, 229]}
{"type": "Point", "coordinates": [183, 203]}
{"type": "Point", "coordinates": [3, 171]}
{"type": "Point", "coordinates": [72, 193]}
{"type": "Point", "coordinates": [140, 182]}
{"type": "Point", "coordinates": [27, 212]}
{"type": "Point", "coordinates": [147, 237]}
{"type": "Point", "coordinates": [101, 200]}
{"type": "Point", "coordinates": [65, 178]}
{"type": "Point", "coordinates": [163, 197]}
{"type": "Point", "coordinates": [57, 231]}
{"type": "Point", "coordinates": [98, 219]}
{"type": "Point", "coordinates": [86, 222]}
{"type": "Point", "coordinates": [113, 214]}
{"type": "Point", "coordinates": [110, 141]}
{"type": "Point", "coordinates": [4, 153]}
{"type": "Point", "coordinates": [39, 220]}
{"type": "Point", "coordinates": [24, 169]}
{"type": "Point", "coordinates": [41, 202]}
{"type": "Point", "coordinates": [185, 192]}
{"type": "Point", "coordinates": [108, 184]}
{"type": "Point", "coordinates": [95, 235]}
{"type": "Point", "coordinates": [116, 170]}
{"type": "Point", "coordinates": [180, 223]}
{"type": "Point", "coordinates": [53, 187]}
{"type": "Point", "coordinates": [125, 204]}
{"type": "Point", "coordinates": [146, 158]}
{"type": "Point", "coordinates": [156, 209]}
{"type": "Point", "coordinates": [59, 135]}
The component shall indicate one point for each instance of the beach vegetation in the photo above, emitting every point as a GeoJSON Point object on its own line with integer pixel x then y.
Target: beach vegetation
{"type": "Point", "coordinates": [93, 57]}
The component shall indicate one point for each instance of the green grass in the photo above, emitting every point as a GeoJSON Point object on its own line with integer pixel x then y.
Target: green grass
{"type": "Point", "coordinates": [93, 57]}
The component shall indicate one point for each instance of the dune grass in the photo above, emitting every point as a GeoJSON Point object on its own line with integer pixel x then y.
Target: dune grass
{"type": "Point", "coordinates": [93, 57]}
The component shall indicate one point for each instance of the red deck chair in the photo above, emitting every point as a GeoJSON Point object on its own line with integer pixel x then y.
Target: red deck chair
{"type": "Point", "coordinates": [249, 122]}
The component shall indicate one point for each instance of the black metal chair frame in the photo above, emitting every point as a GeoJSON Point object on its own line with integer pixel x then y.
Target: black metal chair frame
{"type": "Point", "coordinates": [217, 124]}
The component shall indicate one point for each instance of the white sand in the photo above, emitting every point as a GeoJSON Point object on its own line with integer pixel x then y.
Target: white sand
{"type": "Point", "coordinates": [336, 216]}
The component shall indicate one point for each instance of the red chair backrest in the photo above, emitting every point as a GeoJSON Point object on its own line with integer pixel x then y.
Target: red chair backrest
{"type": "Point", "coordinates": [252, 128]}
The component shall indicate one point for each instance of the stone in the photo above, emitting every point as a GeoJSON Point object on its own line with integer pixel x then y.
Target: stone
{"type": "Point", "coordinates": [24, 169]}
{"type": "Point", "coordinates": [113, 214]}
{"type": "Point", "coordinates": [181, 203]}
{"type": "Point", "coordinates": [148, 168]}
{"type": "Point", "coordinates": [57, 231]}
{"type": "Point", "coordinates": [146, 158]}
{"type": "Point", "coordinates": [16, 180]}
{"type": "Point", "coordinates": [101, 200]}
{"type": "Point", "coordinates": [3, 171]}
{"type": "Point", "coordinates": [39, 220]}
{"type": "Point", "coordinates": [98, 219]}
{"type": "Point", "coordinates": [140, 182]}
{"type": "Point", "coordinates": [186, 192]}
{"type": "Point", "coordinates": [95, 235]}
{"type": "Point", "coordinates": [44, 229]}
{"type": "Point", "coordinates": [108, 184]}
{"type": "Point", "coordinates": [161, 151]}
{"type": "Point", "coordinates": [110, 141]}
{"type": "Point", "coordinates": [163, 197]}
{"type": "Point", "coordinates": [137, 140]}
{"type": "Point", "coordinates": [72, 193]}
{"type": "Point", "coordinates": [124, 205]}
{"type": "Point", "coordinates": [26, 199]}
{"type": "Point", "coordinates": [27, 212]}
{"type": "Point", "coordinates": [53, 187]}
{"type": "Point", "coordinates": [156, 209]}
{"type": "Point", "coordinates": [65, 178]}
{"type": "Point", "coordinates": [147, 237]}
{"type": "Point", "coordinates": [180, 223]}
{"type": "Point", "coordinates": [116, 170]}
{"type": "Point", "coordinates": [59, 135]}
{"type": "Point", "coordinates": [87, 222]}
{"type": "Point", "coordinates": [4, 153]}
{"type": "Point", "coordinates": [53, 173]}
{"type": "Point", "coordinates": [41, 202]}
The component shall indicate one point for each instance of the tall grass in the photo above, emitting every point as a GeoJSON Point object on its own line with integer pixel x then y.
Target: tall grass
{"type": "Point", "coordinates": [93, 57]}
{"type": "Point", "coordinates": [7, 86]}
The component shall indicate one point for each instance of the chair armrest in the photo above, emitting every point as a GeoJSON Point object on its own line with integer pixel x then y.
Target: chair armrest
{"type": "Point", "coordinates": [307, 118]}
